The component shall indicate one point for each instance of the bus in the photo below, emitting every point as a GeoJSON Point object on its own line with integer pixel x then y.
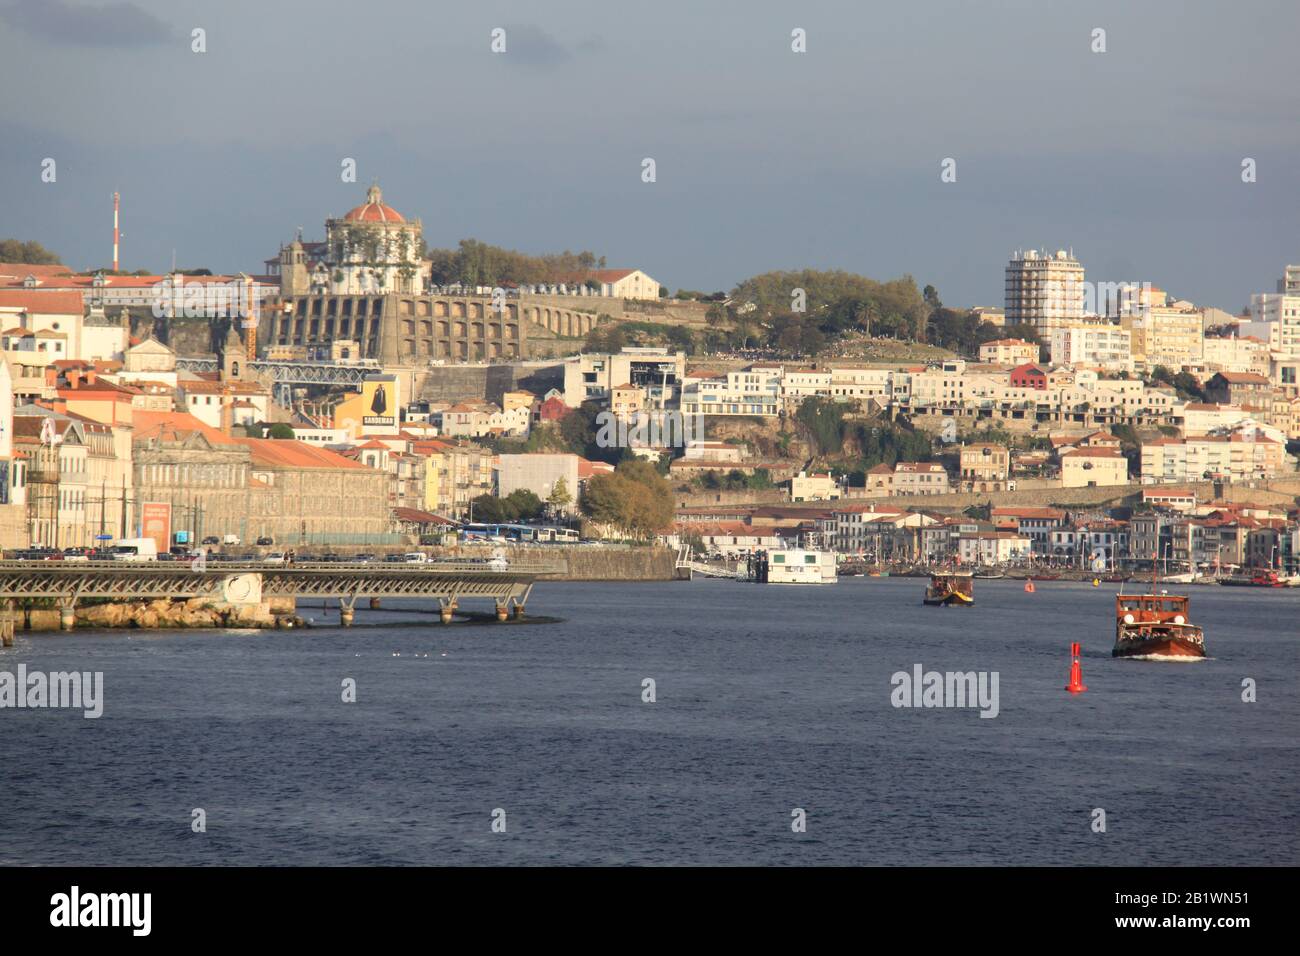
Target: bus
{"type": "Point", "coordinates": [504, 533]}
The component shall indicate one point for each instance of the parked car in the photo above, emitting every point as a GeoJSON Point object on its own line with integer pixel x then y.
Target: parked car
{"type": "Point", "coordinates": [275, 557]}
{"type": "Point", "coordinates": [265, 542]}
{"type": "Point", "coordinates": [415, 557]}
{"type": "Point", "coordinates": [212, 539]}
{"type": "Point", "coordinates": [76, 554]}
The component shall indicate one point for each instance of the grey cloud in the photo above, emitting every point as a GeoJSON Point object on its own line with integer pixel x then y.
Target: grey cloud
{"type": "Point", "coordinates": [530, 45]}
{"type": "Point", "coordinates": [72, 24]}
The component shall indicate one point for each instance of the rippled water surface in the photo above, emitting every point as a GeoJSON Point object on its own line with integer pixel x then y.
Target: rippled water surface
{"type": "Point", "coordinates": [768, 699]}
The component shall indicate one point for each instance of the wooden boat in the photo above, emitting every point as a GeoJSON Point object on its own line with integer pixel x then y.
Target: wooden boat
{"type": "Point", "coordinates": [950, 589]}
{"type": "Point", "coordinates": [1156, 626]}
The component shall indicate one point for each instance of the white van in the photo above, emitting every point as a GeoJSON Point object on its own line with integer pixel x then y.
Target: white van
{"type": "Point", "coordinates": [415, 557]}
{"type": "Point", "coordinates": [135, 549]}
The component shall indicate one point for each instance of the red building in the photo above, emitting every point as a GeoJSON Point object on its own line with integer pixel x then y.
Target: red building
{"type": "Point", "coordinates": [1029, 376]}
{"type": "Point", "coordinates": [552, 410]}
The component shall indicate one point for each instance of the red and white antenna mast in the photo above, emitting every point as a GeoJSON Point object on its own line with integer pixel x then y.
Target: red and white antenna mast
{"type": "Point", "coordinates": [117, 204]}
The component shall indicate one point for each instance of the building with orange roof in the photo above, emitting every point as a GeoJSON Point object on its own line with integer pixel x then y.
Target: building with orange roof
{"type": "Point", "coordinates": [1008, 352]}
{"type": "Point", "coordinates": [243, 402]}
{"type": "Point", "coordinates": [250, 488]}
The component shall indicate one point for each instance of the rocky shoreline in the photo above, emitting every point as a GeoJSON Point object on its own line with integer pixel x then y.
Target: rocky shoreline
{"type": "Point", "coordinates": [165, 615]}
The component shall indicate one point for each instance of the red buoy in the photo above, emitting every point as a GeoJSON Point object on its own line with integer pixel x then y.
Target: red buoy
{"type": "Point", "coordinates": [1076, 685]}
{"type": "Point", "coordinates": [1029, 586]}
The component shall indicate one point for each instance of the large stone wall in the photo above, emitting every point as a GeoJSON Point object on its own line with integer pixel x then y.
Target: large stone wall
{"type": "Point", "coordinates": [449, 383]}
{"type": "Point", "coordinates": [665, 311]}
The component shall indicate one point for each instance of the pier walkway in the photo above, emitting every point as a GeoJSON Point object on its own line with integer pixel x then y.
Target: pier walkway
{"type": "Point", "coordinates": [249, 582]}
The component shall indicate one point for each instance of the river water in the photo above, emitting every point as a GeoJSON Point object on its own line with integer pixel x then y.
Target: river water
{"type": "Point", "coordinates": [768, 700]}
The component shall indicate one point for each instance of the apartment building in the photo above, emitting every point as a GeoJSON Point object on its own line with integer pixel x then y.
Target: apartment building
{"type": "Point", "coordinates": [881, 384]}
{"type": "Point", "coordinates": [1279, 313]}
{"type": "Point", "coordinates": [814, 487]}
{"type": "Point", "coordinates": [1093, 466]}
{"type": "Point", "coordinates": [801, 383]}
{"type": "Point", "coordinates": [1108, 346]}
{"type": "Point", "coordinates": [754, 391]}
{"type": "Point", "coordinates": [1009, 352]}
{"type": "Point", "coordinates": [1044, 290]}
{"type": "Point", "coordinates": [920, 478]}
{"type": "Point", "coordinates": [1242, 455]}
{"type": "Point", "coordinates": [1166, 335]}
{"type": "Point", "coordinates": [984, 466]}
{"type": "Point", "coordinates": [1236, 354]}
{"type": "Point", "coordinates": [592, 377]}
{"type": "Point", "coordinates": [1037, 524]}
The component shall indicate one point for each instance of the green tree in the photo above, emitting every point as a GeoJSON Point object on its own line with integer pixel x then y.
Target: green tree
{"type": "Point", "coordinates": [635, 499]}
{"type": "Point", "coordinates": [523, 504]}
{"type": "Point", "coordinates": [559, 499]}
{"type": "Point", "coordinates": [492, 510]}
{"type": "Point", "coordinates": [281, 431]}
{"type": "Point", "coordinates": [30, 253]}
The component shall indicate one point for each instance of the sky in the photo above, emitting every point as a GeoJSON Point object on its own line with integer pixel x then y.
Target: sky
{"type": "Point", "coordinates": [764, 158]}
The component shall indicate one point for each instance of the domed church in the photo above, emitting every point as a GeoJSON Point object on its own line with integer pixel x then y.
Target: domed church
{"type": "Point", "coordinates": [372, 249]}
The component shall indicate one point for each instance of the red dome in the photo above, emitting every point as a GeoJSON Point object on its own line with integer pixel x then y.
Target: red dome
{"type": "Point", "coordinates": [374, 210]}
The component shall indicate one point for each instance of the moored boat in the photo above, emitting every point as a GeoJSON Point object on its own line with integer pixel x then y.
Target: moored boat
{"type": "Point", "coordinates": [950, 589]}
{"type": "Point", "coordinates": [797, 566]}
{"type": "Point", "coordinates": [1260, 579]}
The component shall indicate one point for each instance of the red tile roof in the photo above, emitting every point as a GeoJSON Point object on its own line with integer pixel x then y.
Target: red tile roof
{"type": "Point", "coordinates": [43, 301]}
{"type": "Point", "coordinates": [282, 453]}
{"type": "Point", "coordinates": [170, 426]}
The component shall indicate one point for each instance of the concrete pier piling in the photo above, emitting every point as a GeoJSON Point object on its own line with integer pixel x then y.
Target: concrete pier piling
{"type": "Point", "coordinates": [67, 617]}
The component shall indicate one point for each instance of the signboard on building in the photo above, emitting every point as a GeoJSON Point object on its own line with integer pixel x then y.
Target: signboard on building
{"type": "Point", "coordinates": [156, 523]}
{"type": "Point", "coordinates": [380, 400]}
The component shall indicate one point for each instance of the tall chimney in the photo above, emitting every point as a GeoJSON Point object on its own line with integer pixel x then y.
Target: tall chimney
{"type": "Point", "coordinates": [117, 202]}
